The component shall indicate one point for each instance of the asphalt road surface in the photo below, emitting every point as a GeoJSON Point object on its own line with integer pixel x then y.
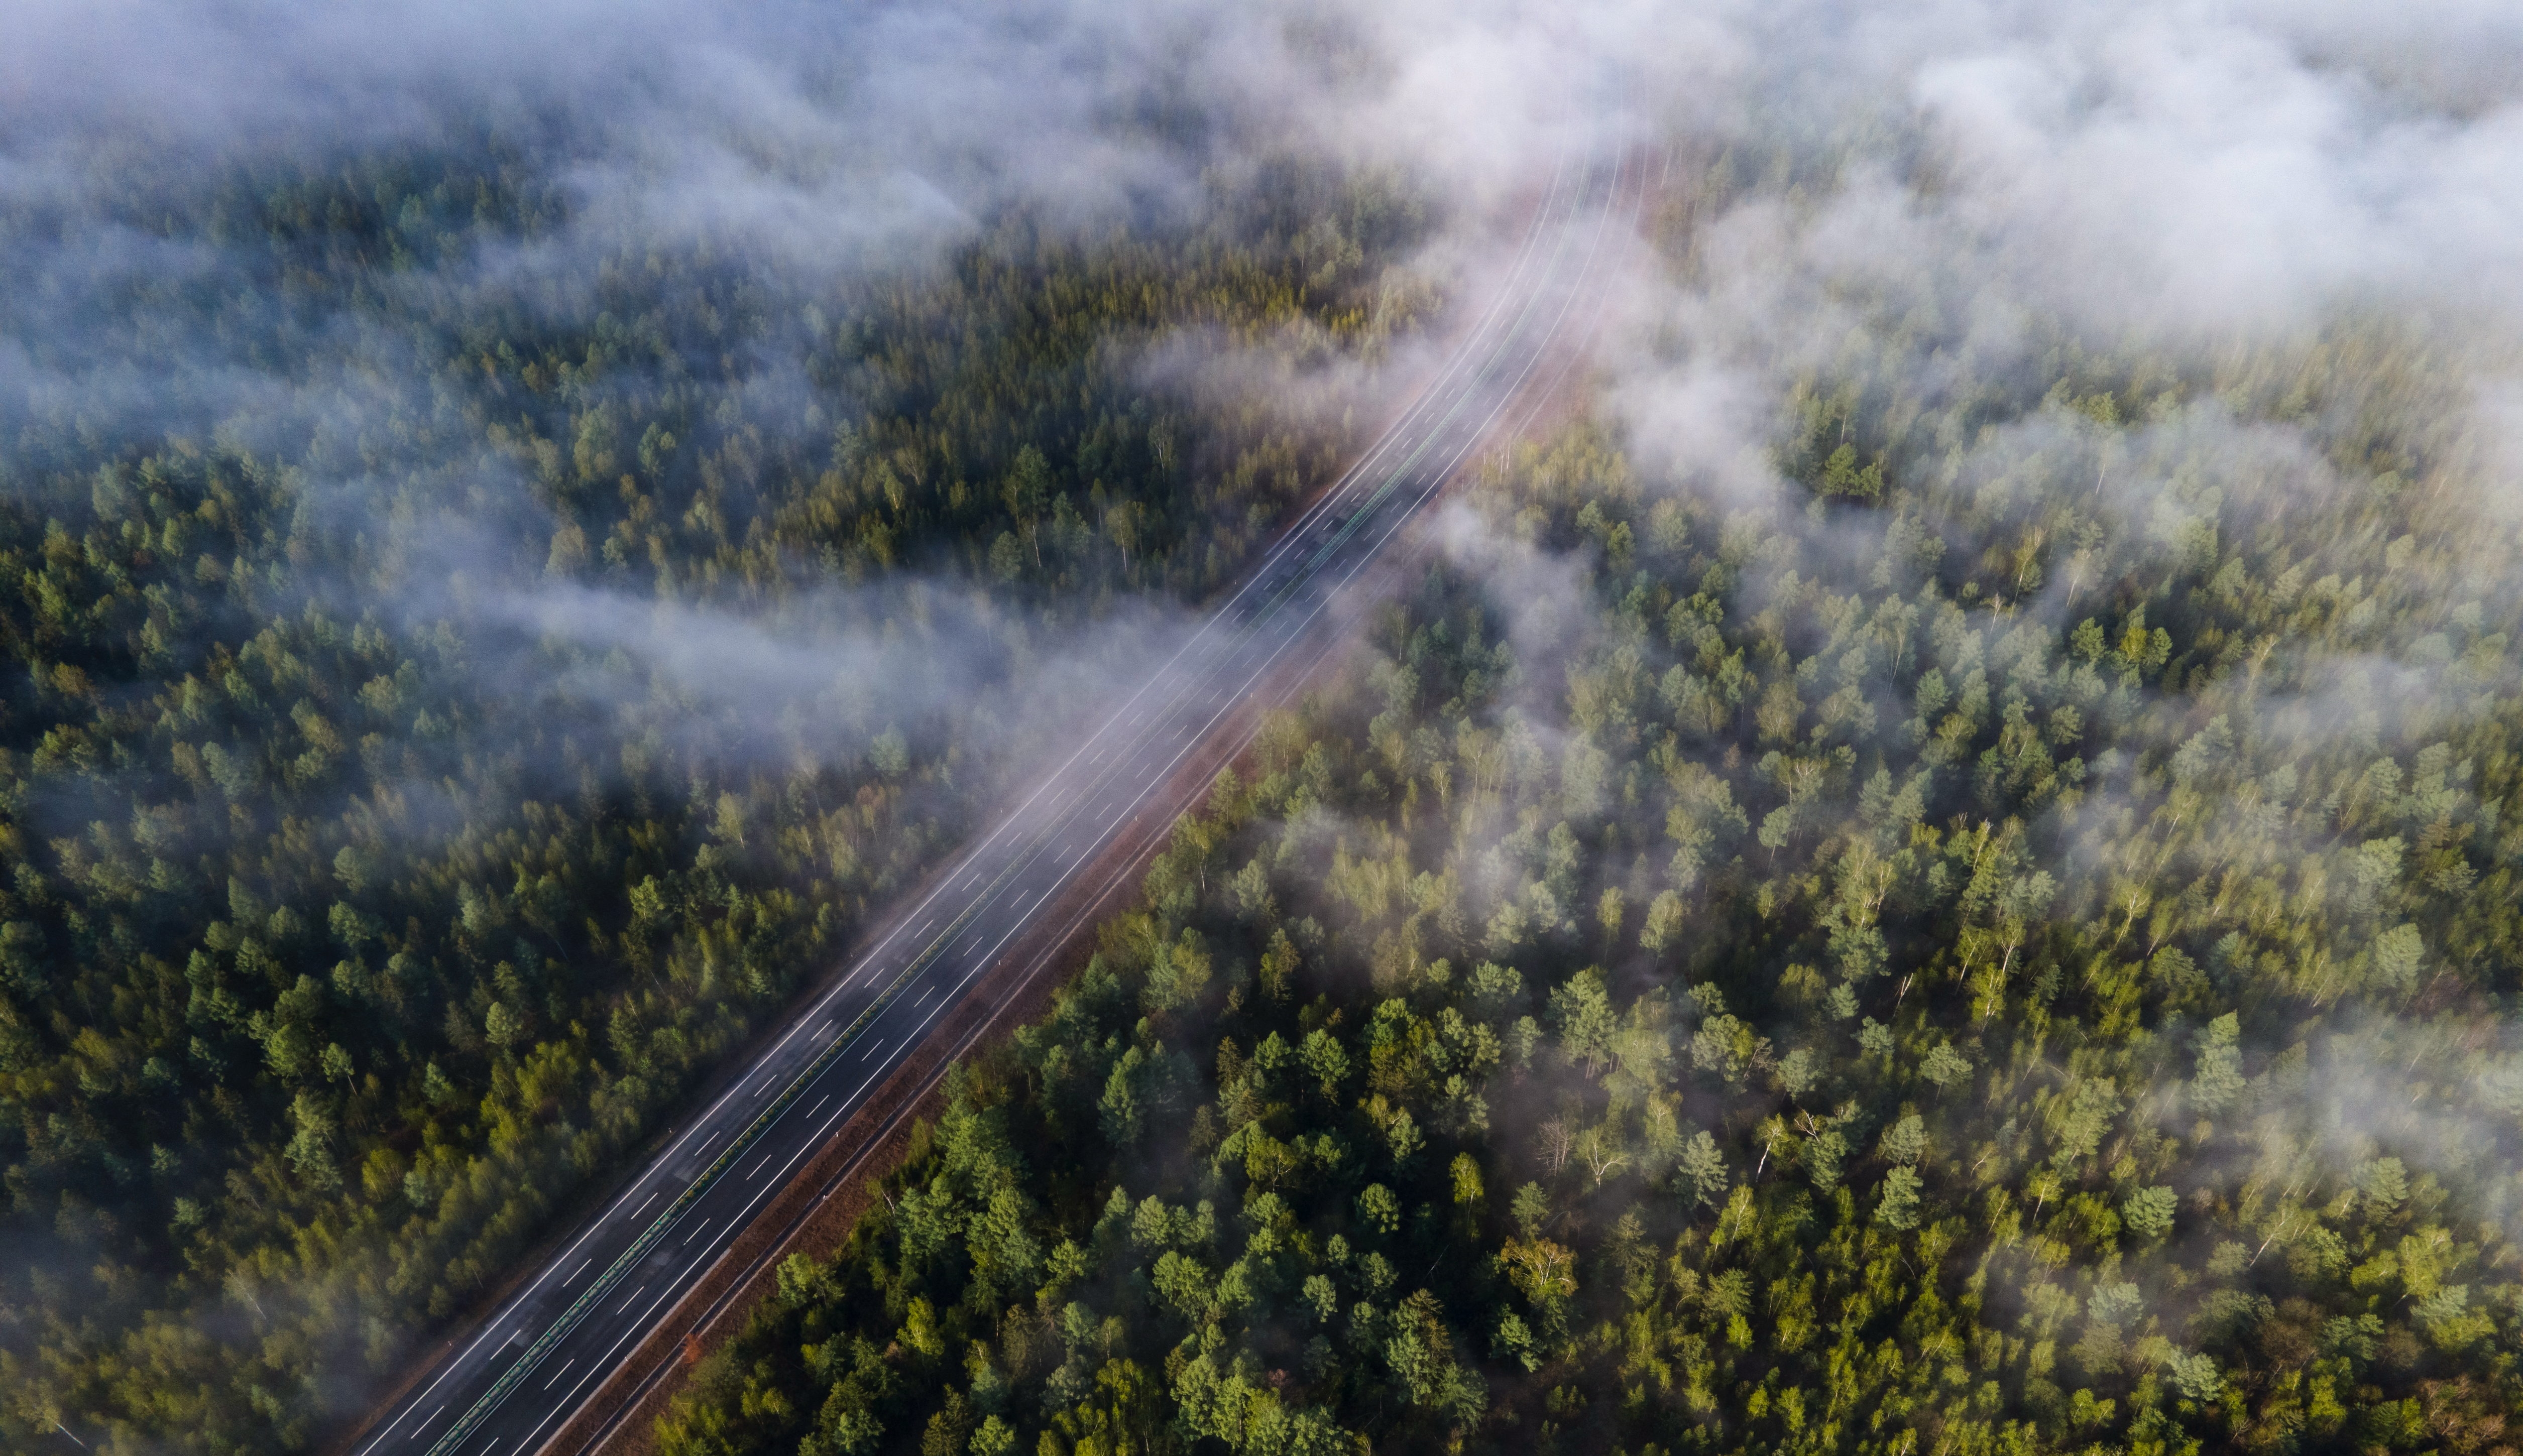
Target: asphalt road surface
{"type": "Point", "coordinates": [508, 1388]}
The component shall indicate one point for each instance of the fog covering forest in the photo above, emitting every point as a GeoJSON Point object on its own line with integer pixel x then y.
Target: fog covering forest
{"type": "Point", "coordinates": [347, 935]}
{"type": "Point", "coordinates": [473, 657]}
{"type": "Point", "coordinates": [1927, 871]}
{"type": "Point", "coordinates": [1763, 986]}
{"type": "Point", "coordinates": [1931, 872]}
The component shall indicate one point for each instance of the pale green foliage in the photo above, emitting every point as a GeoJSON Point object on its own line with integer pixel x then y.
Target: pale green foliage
{"type": "Point", "coordinates": [2148, 1212]}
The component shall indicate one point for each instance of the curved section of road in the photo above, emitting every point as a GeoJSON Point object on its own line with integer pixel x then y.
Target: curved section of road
{"type": "Point", "coordinates": [510, 1387]}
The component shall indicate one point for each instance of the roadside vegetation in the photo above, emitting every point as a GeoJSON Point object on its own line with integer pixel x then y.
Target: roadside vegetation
{"type": "Point", "coordinates": [2006, 948]}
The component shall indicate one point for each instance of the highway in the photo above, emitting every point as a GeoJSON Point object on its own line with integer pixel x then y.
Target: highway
{"type": "Point", "coordinates": [510, 1386]}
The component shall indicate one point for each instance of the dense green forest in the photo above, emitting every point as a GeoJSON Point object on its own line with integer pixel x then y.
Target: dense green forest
{"type": "Point", "coordinates": [452, 701]}
{"type": "Point", "coordinates": [1925, 871]}
{"type": "Point", "coordinates": [2008, 947]}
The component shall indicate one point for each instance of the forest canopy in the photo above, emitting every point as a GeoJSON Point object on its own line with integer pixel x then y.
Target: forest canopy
{"type": "Point", "coordinates": [1923, 867]}
{"type": "Point", "coordinates": [1786, 978]}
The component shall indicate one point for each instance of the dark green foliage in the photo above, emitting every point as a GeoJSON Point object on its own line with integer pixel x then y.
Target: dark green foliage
{"type": "Point", "coordinates": [376, 875]}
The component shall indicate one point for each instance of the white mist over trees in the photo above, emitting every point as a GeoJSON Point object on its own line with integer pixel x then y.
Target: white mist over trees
{"type": "Point", "coordinates": [493, 608]}
{"type": "Point", "coordinates": [1932, 870]}
{"type": "Point", "coordinates": [1933, 877]}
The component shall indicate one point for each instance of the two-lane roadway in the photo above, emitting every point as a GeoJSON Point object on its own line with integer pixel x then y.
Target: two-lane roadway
{"type": "Point", "coordinates": [506, 1390]}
